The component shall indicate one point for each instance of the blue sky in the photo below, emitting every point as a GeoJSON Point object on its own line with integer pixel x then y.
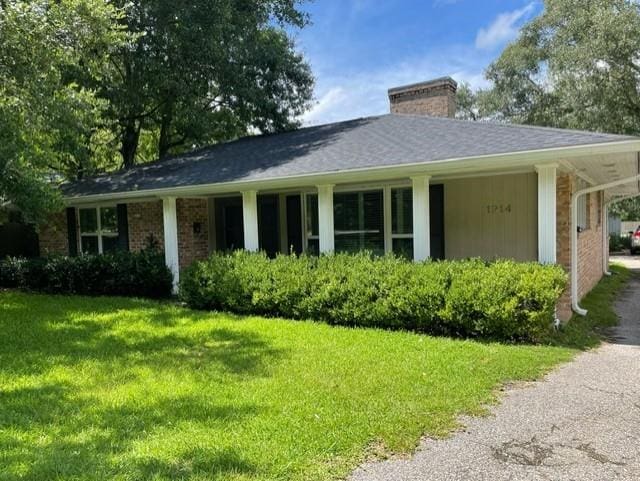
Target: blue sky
{"type": "Point", "coordinates": [360, 48]}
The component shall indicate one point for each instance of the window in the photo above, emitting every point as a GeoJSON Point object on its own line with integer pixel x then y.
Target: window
{"type": "Point", "coordinates": [311, 226]}
{"type": "Point", "coordinates": [583, 207]}
{"type": "Point", "coordinates": [98, 230]}
{"type": "Point", "coordinates": [402, 222]}
{"type": "Point", "coordinates": [358, 222]}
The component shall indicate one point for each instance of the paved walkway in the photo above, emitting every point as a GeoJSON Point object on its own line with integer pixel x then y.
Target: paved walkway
{"type": "Point", "coordinates": [582, 423]}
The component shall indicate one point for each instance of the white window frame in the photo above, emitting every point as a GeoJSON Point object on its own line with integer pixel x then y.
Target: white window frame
{"type": "Point", "coordinates": [391, 235]}
{"type": "Point", "coordinates": [387, 210]}
{"type": "Point", "coordinates": [583, 206]}
{"type": "Point", "coordinates": [99, 233]}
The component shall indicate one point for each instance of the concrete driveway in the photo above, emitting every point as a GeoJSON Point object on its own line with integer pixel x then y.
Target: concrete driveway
{"type": "Point", "coordinates": [581, 423]}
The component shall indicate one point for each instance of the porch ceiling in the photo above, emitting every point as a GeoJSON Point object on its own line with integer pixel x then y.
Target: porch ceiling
{"type": "Point", "coordinates": [604, 169]}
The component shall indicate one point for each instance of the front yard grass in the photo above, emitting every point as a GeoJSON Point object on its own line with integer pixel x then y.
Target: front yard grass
{"type": "Point", "coordinates": [118, 389]}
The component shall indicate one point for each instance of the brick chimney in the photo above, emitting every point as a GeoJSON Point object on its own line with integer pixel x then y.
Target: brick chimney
{"type": "Point", "coordinates": [434, 97]}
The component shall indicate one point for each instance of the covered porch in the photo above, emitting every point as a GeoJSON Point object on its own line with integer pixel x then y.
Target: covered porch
{"type": "Point", "coordinates": [489, 215]}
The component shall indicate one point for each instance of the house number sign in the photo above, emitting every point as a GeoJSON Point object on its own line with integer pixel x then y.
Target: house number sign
{"type": "Point", "coordinates": [498, 208]}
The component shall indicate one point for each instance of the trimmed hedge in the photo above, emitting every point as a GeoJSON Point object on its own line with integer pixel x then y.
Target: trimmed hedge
{"type": "Point", "coordinates": [142, 274]}
{"type": "Point", "coordinates": [471, 298]}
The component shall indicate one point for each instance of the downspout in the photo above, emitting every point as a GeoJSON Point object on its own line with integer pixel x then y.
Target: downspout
{"type": "Point", "coordinates": [605, 237]}
{"type": "Point", "coordinates": [574, 235]}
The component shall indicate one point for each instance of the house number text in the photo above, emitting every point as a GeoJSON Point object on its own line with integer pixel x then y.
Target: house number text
{"type": "Point", "coordinates": [498, 209]}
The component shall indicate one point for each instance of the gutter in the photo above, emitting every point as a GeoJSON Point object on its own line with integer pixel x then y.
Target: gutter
{"type": "Point", "coordinates": [574, 235]}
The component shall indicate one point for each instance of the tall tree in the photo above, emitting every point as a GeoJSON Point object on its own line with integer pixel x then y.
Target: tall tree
{"type": "Point", "coordinates": [47, 120]}
{"type": "Point", "coordinates": [203, 71]}
{"type": "Point", "coordinates": [576, 66]}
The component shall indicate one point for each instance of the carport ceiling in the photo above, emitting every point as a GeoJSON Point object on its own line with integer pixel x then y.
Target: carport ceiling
{"type": "Point", "coordinates": [603, 169]}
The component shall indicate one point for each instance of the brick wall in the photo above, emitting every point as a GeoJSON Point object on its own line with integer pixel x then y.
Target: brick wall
{"type": "Point", "coordinates": [192, 215]}
{"type": "Point", "coordinates": [437, 106]}
{"type": "Point", "coordinates": [145, 219]}
{"type": "Point", "coordinates": [436, 97]}
{"type": "Point", "coordinates": [53, 235]}
{"type": "Point", "coordinates": [564, 187]}
{"type": "Point", "coordinates": [590, 250]}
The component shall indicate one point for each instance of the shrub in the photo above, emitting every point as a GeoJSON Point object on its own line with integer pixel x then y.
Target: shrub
{"type": "Point", "coordinates": [619, 243]}
{"type": "Point", "coordinates": [471, 298]}
{"type": "Point", "coordinates": [141, 274]}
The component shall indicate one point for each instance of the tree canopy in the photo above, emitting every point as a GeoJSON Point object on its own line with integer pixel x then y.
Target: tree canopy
{"type": "Point", "coordinates": [88, 85]}
{"type": "Point", "coordinates": [205, 71]}
{"type": "Point", "coordinates": [47, 119]}
{"type": "Point", "coordinates": [574, 66]}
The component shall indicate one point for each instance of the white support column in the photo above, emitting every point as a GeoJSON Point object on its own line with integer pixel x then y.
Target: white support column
{"type": "Point", "coordinates": [421, 220]}
{"type": "Point", "coordinates": [547, 213]}
{"type": "Point", "coordinates": [250, 220]}
{"type": "Point", "coordinates": [170, 223]}
{"type": "Point", "coordinates": [325, 219]}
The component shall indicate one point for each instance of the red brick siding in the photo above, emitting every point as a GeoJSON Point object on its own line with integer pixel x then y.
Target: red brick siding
{"type": "Point", "coordinates": [192, 246]}
{"type": "Point", "coordinates": [564, 187]}
{"type": "Point", "coordinates": [53, 235]}
{"type": "Point", "coordinates": [590, 249]}
{"type": "Point", "coordinates": [145, 219]}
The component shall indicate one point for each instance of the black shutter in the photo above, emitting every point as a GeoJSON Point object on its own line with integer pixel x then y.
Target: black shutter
{"type": "Point", "coordinates": [72, 231]}
{"type": "Point", "coordinates": [123, 227]}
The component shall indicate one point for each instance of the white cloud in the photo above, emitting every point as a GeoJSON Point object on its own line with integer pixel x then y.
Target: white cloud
{"type": "Point", "coordinates": [348, 95]}
{"type": "Point", "coordinates": [329, 101]}
{"type": "Point", "coordinates": [504, 28]}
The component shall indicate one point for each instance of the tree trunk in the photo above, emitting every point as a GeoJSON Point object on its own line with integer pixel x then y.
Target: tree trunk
{"type": "Point", "coordinates": [130, 138]}
{"type": "Point", "coordinates": [164, 142]}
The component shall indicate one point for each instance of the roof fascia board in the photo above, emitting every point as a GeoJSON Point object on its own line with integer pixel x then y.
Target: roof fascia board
{"type": "Point", "coordinates": [456, 166]}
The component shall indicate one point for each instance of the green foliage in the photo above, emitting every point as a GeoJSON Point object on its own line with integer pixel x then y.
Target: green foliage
{"type": "Point", "coordinates": [204, 71]}
{"type": "Point", "coordinates": [626, 209]}
{"type": "Point", "coordinates": [88, 85]}
{"type": "Point", "coordinates": [503, 299]}
{"type": "Point", "coordinates": [47, 119]}
{"type": "Point", "coordinates": [619, 243]}
{"type": "Point", "coordinates": [98, 389]}
{"type": "Point", "coordinates": [141, 274]}
{"type": "Point", "coordinates": [574, 66]}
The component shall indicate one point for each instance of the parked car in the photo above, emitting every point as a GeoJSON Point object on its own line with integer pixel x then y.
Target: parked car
{"type": "Point", "coordinates": [635, 241]}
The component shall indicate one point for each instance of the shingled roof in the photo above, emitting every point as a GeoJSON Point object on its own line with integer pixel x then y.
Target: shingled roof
{"type": "Point", "coordinates": [387, 140]}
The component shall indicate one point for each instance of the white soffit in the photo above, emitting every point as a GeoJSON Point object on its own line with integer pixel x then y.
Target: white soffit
{"type": "Point", "coordinates": [603, 169]}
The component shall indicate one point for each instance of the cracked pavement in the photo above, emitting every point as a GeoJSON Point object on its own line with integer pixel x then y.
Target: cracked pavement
{"type": "Point", "coordinates": [581, 423]}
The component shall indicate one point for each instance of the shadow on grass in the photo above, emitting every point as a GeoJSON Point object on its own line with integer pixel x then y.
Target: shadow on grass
{"type": "Point", "coordinates": [53, 430]}
{"type": "Point", "coordinates": [32, 342]}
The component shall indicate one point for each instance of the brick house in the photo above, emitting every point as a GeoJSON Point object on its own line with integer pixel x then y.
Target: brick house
{"type": "Point", "coordinates": [415, 182]}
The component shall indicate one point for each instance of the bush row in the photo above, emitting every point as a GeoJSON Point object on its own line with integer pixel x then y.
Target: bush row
{"type": "Point", "coordinates": [142, 274]}
{"type": "Point", "coordinates": [471, 298]}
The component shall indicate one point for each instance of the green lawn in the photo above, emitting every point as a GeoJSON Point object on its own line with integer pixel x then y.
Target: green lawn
{"type": "Point", "coordinates": [117, 389]}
